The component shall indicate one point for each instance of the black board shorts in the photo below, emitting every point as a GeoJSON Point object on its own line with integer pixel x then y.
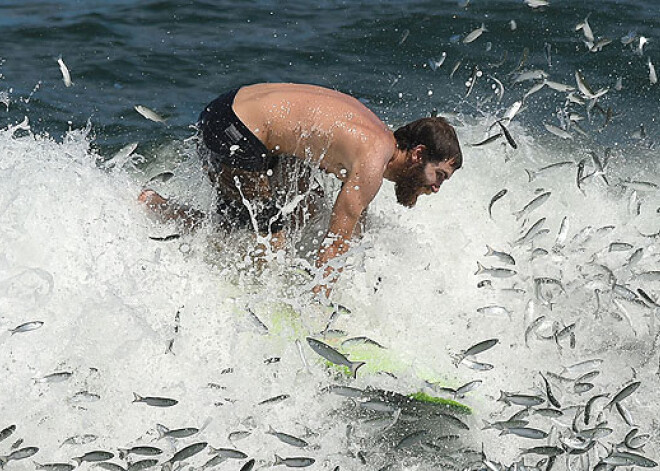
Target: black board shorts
{"type": "Point", "coordinates": [230, 150]}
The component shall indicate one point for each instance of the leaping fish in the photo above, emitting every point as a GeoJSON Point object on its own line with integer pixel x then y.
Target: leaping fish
{"type": "Point", "coordinates": [149, 114]}
{"type": "Point", "coordinates": [475, 34]}
{"type": "Point", "coordinates": [333, 356]}
{"type": "Point", "coordinates": [66, 76]}
{"type": "Point", "coordinates": [653, 77]}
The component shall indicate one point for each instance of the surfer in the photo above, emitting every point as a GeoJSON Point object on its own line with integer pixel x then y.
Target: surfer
{"type": "Point", "coordinates": [248, 134]}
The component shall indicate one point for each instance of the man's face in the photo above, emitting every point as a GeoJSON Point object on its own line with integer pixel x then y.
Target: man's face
{"type": "Point", "coordinates": [421, 179]}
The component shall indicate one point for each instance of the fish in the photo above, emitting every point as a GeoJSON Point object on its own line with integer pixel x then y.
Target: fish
{"type": "Point", "coordinates": [525, 432]}
{"type": "Point", "coordinates": [475, 34]}
{"type": "Point", "coordinates": [494, 271]}
{"type": "Point", "coordinates": [502, 256]}
{"type": "Point", "coordinates": [475, 350]}
{"type": "Point", "coordinates": [505, 424]}
{"type": "Point", "coordinates": [624, 393]}
{"type": "Point", "coordinates": [560, 87]}
{"type": "Point", "coordinates": [94, 456]}
{"type": "Point", "coordinates": [54, 377]}
{"type": "Point", "coordinates": [461, 391]}
{"type": "Point", "coordinates": [411, 439]}
{"type": "Point", "coordinates": [559, 132]}
{"type": "Point", "coordinates": [512, 111]}
{"type": "Point", "coordinates": [532, 327]}
{"type": "Point", "coordinates": [149, 114]}
{"type": "Point", "coordinates": [488, 140]}
{"type": "Point", "coordinates": [175, 433]}
{"type": "Point", "coordinates": [248, 465]}
{"type": "Point", "coordinates": [476, 73]}
{"type": "Point", "coordinates": [548, 392]}
{"type": "Point", "coordinates": [54, 466]}
{"type": "Point", "coordinates": [584, 88]}
{"type": "Point", "coordinates": [229, 452]}
{"type": "Point", "coordinates": [155, 401]}
{"type": "Point", "coordinates": [535, 88]}
{"type": "Point", "coordinates": [653, 77]}
{"type": "Point", "coordinates": [533, 231]}
{"type": "Point", "coordinates": [286, 438]}
{"type": "Point", "coordinates": [544, 450]}
{"type": "Point", "coordinates": [536, 74]}
{"type": "Point", "coordinates": [142, 464]}
{"type": "Point", "coordinates": [520, 399]}
{"type": "Point", "coordinates": [187, 452]}
{"type": "Point", "coordinates": [6, 432]}
{"type": "Point", "coordinates": [139, 450]}
{"type": "Point", "coordinates": [66, 76]}
{"type": "Point", "coordinates": [533, 204]}
{"type": "Point", "coordinates": [500, 88]}
{"type": "Point", "coordinates": [333, 356]}
{"type": "Point", "coordinates": [454, 69]}
{"type": "Point", "coordinates": [537, 3]}
{"type": "Point", "coordinates": [436, 64]}
{"type": "Point", "coordinates": [261, 327]}
{"type": "Point", "coordinates": [507, 135]}
{"type": "Point", "coordinates": [27, 327]}
{"type": "Point", "coordinates": [345, 391]}
{"type": "Point", "coordinates": [494, 311]}
{"type": "Point", "coordinates": [271, 400]}
{"type": "Point", "coordinates": [474, 365]}
{"type": "Point", "coordinates": [84, 396]}
{"type": "Point", "coordinates": [627, 458]}
{"type": "Point", "coordinates": [80, 439]}
{"type": "Point", "coordinates": [294, 462]}
{"type": "Point", "coordinates": [19, 454]}
{"type": "Point", "coordinates": [404, 36]}
{"type": "Point", "coordinates": [532, 174]}
{"type": "Point", "coordinates": [360, 341]}
{"type": "Point", "coordinates": [497, 196]}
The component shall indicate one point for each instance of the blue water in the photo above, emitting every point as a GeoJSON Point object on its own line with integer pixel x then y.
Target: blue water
{"type": "Point", "coordinates": [76, 251]}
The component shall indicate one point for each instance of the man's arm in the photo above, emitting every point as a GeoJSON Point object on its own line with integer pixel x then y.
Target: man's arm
{"type": "Point", "coordinates": [357, 192]}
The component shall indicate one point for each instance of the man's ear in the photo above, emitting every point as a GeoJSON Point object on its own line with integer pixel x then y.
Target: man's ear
{"type": "Point", "coordinates": [416, 153]}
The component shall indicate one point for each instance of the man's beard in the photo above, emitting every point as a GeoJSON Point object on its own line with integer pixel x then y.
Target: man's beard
{"type": "Point", "coordinates": [407, 187]}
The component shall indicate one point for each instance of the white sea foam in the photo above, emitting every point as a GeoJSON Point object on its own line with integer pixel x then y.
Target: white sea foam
{"type": "Point", "coordinates": [75, 253]}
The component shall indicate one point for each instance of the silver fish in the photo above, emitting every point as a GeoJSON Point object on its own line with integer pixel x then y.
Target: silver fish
{"type": "Point", "coordinates": [626, 458]}
{"type": "Point", "coordinates": [175, 433]}
{"type": "Point", "coordinates": [505, 424]}
{"type": "Point", "coordinates": [187, 452]}
{"type": "Point", "coordinates": [288, 439]}
{"type": "Point", "coordinates": [558, 131]}
{"type": "Point", "coordinates": [66, 75]}
{"type": "Point", "coordinates": [560, 87]}
{"type": "Point", "coordinates": [155, 401]}
{"type": "Point", "coordinates": [624, 393]}
{"type": "Point", "coordinates": [274, 399]}
{"type": "Point", "coordinates": [142, 464]}
{"type": "Point", "coordinates": [27, 327]}
{"type": "Point", "coordinates": [149, 114]}
{"type": "Point", "coordinates": [475, 365]}
{"type": "Point", "coordinates": [475, 34]}
{"type": "Point", "coordinates": [346, 391]}
{"type": "Point", "coordinates": [261, 327]}
{"type": "Point", "coordinates": [139, 450]}
{"type": "Point", "coordinates": [229, 452]}
{"type": "Point", "coordinates": [360, 341]}
{"type": "Point", "coordinates": [488, 140]}
{"type": "Point", "coordinates": [532, 232]}
{"type": "Point", "coordinates": [537, 74]}
{"type": "Point", "coordinates": [532, 205]}
{"type": "Point", "coordinates": [80, 439]}
{"type": "Point", "coordinates": [54, 377]}
{"type": "Point", "coordinates": [333, 356]}
{"type": "Point", "coordinates": [507, 134]}
{"type": "Point", "coordinates": [411, 439]}
{"type": "Point", "coordinates": [494, 271]}
{"type": "Point", "coordinates": [54, 466]}
{"type": "Point", "coordinates": [94, 456]}
{"type": "Point", "coordinates": [544, 450]}
{"type": "Point", "coordinates": [653, 77]}
{"type": "Point", "coordinates": [497, 196]}
{"type": "Point", "coordinates": [436, 64]}
{"type": "Point", "coordinates": [520, 399]}
{"type": "Point", "coordinates": [475, 350]}
{"type": "Point", "coordinates": [494, 311]}
{"type": "Point", "coordinates": [502, 256]}
{"type": "Point", "coordinates": [532, 174]}
{"type": "Point", "coordinates": [6, 432]}
{"type": "Point", "coordinates": [525, 432]}
{"type": "Point", "coordinates": [294, 462]}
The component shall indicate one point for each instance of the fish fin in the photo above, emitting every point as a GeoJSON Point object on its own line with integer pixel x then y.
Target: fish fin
{"type": "Point", "coordinates": [530, 175]}
{"type": "Point", "coordinates": [355, 366]}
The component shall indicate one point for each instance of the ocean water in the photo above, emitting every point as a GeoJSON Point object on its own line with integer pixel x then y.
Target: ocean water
{"type": "Point", "coordinates": [124, 313]}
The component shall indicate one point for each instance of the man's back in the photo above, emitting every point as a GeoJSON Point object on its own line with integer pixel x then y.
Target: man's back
{"type": "Point", "coordinates": [314, 123]}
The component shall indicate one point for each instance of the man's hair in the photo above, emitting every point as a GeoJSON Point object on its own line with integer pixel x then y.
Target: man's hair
{"type": "Point", "coordinates": [436, 134]}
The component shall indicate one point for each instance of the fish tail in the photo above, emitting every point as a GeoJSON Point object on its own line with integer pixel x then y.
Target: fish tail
{"type": "Point", "coordinates": [483, 28]}
{"type": "Point", "coordinates": [122, 453]}
{"type": "Point", "coordinates": [503, 397]}
{"type": "Point", "coordinates": [456, 359]}
{"type": "Point", "coordinates": [137, 397]}
{"type": "Point", "coordinates": [78, 460]}
{"type": "Point", "coordinates": [161, 430]}
{"type": "Point", "coordinates": [530, 175]}
{"type": "Point", "coordinates": [355, 366]}
{"type": "Point", "coordinates": [480, 268]}
{"type": "Point", "coordinates": [271, 430]}
{"type": "Point", "coordinates": [278, 460]}
{"type": "Point", "coordinates": [489, 251]}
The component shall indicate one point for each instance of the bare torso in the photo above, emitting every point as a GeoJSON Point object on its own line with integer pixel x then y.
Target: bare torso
{"type": "Point", "coordinates": [310, 122]}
